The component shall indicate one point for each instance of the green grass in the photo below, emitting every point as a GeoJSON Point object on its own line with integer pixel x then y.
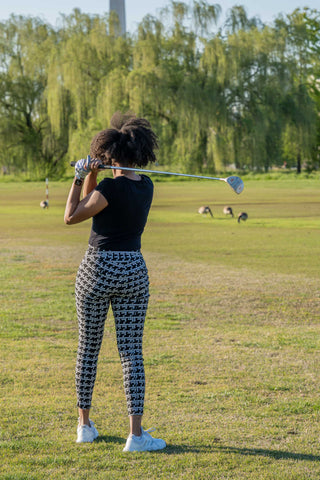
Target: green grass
{"type": "Point", "coordinates": [231, 342]}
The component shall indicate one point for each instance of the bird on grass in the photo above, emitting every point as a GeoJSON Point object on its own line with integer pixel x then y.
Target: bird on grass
{"type": "Point", "coordinates": [242, 216]}
{"type": "Point", "coordinates": [228, 211]}
{"type": "Point", "coordinates": [204, 210]}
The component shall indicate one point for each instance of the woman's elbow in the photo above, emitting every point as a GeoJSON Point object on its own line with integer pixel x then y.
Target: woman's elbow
{"type": "Point", "coordinates": [73, 219]}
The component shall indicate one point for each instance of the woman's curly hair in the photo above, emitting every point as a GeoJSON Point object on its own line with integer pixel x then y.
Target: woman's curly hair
{"type": "Point", "coordinates": [129, 141]}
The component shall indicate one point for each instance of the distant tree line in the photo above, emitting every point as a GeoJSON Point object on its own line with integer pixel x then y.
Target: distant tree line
{"type": "Point", "coordinates": [243, 95]}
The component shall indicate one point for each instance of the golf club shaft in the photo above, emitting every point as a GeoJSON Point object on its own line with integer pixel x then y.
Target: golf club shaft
{"type": "Point", "coordinates": [110, 167]}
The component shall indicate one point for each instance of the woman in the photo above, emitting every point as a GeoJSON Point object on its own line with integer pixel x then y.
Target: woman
{"type": "Point", "coordinates": [113, 270]}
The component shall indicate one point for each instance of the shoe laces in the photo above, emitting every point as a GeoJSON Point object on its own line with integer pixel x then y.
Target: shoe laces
{"type": "Point", "coordinates": [147, 438]}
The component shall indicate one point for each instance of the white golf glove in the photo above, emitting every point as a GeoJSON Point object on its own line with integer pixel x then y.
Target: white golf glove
{"type": "Point", "coordinates": [82, 168]}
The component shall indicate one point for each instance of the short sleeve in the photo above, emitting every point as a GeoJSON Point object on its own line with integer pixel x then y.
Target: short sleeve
{"type": "Point", "coordinates": [106, 188]}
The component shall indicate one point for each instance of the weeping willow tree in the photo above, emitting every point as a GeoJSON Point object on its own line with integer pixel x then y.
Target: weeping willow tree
{"type": "Point", "coordinates": [252, 73]}
{"type": "Point", "coordinates": [86, 79]}
{"type": "Point", "coordinates": [215, 70]}
{"type": "Point", "coordinates": [27, 139]}
{"type": "Point", "coordinates": [183, 106]}
{"type": "Point", "coordinates": [252, 81]}
{"type": "Point", "coordinates": [312, 24]}
{"type": "Point", "coordinates": [300, 129]}
{"type": "Point", "coordinates": [235, 96]}
{"type": "Point", "coordinates": [302, 117]}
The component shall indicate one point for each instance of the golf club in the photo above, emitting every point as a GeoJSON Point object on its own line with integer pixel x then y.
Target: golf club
{"type": "Point", "coordinates": [235, 182]}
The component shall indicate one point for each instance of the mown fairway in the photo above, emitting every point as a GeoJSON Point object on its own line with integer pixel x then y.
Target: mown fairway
{"type": "Point", "coordinates": [231, 341]}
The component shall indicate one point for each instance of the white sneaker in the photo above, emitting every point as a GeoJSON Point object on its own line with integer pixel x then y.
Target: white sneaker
{"type": "Point", "coordinates": [144, 443]}
{"type": "Point", "coordinates": [87, 434]}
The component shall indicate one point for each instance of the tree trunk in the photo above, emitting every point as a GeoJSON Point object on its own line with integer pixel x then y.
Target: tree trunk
{"type": "Point", "coordinates": [299, 163]}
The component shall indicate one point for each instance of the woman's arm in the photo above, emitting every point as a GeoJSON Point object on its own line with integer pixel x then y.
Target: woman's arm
{"type": "Point", "coordinates": [90, 182]}
{"type": "Point", "coordinates": [77, 211]}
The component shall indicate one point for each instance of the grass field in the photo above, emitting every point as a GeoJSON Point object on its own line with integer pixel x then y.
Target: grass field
{"type": "Point", "coordinates": [231, 341]}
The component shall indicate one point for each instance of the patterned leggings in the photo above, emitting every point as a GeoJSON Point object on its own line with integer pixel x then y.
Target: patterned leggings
{"type": "Point", "coordinates": [119, 278]}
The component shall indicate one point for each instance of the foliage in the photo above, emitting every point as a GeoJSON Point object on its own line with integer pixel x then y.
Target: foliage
{"type": "Point", "coordinates": [242, 95]}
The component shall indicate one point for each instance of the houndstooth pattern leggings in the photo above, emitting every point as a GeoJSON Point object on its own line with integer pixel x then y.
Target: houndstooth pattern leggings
{"type": "Point", "coordinates": [119, 279]}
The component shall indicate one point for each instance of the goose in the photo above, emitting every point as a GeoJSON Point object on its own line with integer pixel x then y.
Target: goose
{"type": "Point", "coordinates": [242, 216]}
{"type": "Point", "coordinates": [228, 211]}
{"type": "Point", "coordinates": [205, 210]}
{"type": "Point", "coordinates": [44, 204]}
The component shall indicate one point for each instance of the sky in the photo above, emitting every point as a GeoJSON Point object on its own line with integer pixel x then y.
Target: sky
{"type": "Point", "coordinates": [267, 10]}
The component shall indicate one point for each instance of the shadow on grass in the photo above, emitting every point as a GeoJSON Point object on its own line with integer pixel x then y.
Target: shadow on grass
{"type": "Point", "coordinates": [276, 454]}
{"type": "Point", "coordinates": [182, 449]}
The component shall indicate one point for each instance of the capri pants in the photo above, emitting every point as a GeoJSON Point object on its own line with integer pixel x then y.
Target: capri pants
{"type": "Point", "coordinates": [119, 279]}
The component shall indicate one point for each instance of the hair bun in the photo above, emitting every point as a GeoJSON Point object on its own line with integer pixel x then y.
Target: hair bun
{"type": "Point", "coordinates": [119, 119]}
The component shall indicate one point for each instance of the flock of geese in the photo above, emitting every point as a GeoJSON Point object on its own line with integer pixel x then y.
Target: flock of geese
{"type": "Point", "coordinates": [242, 216]}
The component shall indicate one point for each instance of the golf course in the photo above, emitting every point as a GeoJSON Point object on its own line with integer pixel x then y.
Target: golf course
{"type": "Point", "coordinates": [231, 342]}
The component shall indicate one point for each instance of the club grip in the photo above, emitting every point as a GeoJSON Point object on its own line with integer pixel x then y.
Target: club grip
{"type": "Point", "coordinates": [72, 164]}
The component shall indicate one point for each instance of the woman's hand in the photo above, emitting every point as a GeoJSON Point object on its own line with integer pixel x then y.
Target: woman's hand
{"type": "Point", "coordinates": [82, 168]}
{"type": "Point", "coordinates": [94, 166]}
{"type": "Point", "coordinates": [90, 182]}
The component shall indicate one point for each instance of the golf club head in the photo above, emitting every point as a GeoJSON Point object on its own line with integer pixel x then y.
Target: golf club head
{"type": "Point", "coordinates": [235, 183]}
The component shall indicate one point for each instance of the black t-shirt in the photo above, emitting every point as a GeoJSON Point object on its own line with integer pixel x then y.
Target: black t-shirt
{"type": "Point", "coordinates": [119, 226]}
